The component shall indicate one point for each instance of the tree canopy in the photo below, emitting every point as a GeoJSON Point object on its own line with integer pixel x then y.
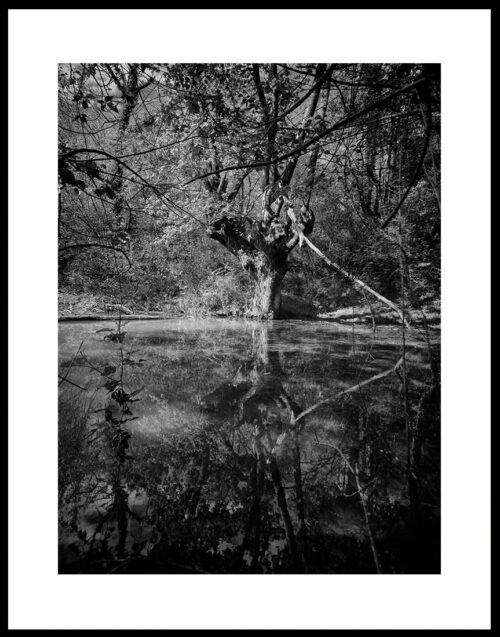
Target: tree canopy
{"type": "Point", "coordinates": [158, 160]}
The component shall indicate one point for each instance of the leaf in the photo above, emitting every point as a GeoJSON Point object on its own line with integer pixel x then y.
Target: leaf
{"type": "Point", "coordinates": [90, 167]}
{"type": "Point", "coordinates": [280, 439]}
{"type": "Point", "coordinates": [111, 385]}
{"type": "Point", "coordinates": [109, 369]}
{"type": "Point", "coordinates": [67, 176]}
{"type": "Point", "coordinates": [115, 336]}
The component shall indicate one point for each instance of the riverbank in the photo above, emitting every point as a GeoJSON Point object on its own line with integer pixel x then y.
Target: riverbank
{"type": "Point", "coordinates": [380, 315]}
{"type": "Point", "coordinates": [86, 307]}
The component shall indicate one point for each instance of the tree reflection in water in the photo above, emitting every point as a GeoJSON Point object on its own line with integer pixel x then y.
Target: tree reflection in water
{"type": "Point", "coordinates": [253, 487]}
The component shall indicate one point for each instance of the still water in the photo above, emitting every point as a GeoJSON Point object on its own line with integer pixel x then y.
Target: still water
{"type": "Point", "coordinates": [224, 446]}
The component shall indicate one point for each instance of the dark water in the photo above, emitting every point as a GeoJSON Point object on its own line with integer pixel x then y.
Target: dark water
{"type": "Point", "coordinates": [185, 449]}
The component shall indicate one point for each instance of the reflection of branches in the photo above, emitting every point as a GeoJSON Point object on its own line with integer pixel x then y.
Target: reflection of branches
{"type": "Point", "coordinates": [65, 377]}
{"type": "Point", "coordinates": [299, 497]}
{"type": "Point", "coordinates": [364, 502]}
{"type": "Point", "coordinates": [285, 513]}
{"type": "Point", "coordinates": [253, 522]}
{"type": "Point", "coordinates": [350, 390]}
{"type": "Point", "coordinates": [194, 499]}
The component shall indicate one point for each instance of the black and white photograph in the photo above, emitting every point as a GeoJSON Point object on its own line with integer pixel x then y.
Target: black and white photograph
{"type": "Point", "coordinates": [247, 309]}
{"type": "Point", "coordinates": [249, 298]}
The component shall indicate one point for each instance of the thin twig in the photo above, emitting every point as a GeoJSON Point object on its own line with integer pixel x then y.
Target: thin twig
{"type": "Point", "coordinates": [362, 497]}
{"type": "Point", "coordinates": [63, 378]}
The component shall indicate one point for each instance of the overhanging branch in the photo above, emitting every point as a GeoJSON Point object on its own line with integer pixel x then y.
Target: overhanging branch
{"type": "Point", "coordinates": [75, 246]}
{"type": "Point", "coordinates": [338, 125]}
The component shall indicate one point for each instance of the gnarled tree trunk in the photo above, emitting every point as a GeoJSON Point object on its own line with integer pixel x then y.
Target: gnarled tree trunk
{"type": "Point", "coordinates": [262, 245]}
{"type": "Point", "coordinates": [262, 248]}
{"type": "Point", "coordinates": [267, 292]}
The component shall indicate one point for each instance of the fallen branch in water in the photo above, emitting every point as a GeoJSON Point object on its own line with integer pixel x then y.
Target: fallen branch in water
{"type": "Point", "coordinates": [350, 390]}
{"type": "Point", "coordinates": [357, 282]}
{"type": "Point", "coordinates": [335, 266]}
{"type": "Point", "coordinates": [374, 325]}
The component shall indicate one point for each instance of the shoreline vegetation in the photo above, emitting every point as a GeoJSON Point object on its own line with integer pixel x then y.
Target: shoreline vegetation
{"type": "Point", "coordinates": [94, 308]}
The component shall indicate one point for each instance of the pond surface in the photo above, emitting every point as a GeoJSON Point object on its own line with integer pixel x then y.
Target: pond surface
{"type": "Point", "coordinates": [224, 446]}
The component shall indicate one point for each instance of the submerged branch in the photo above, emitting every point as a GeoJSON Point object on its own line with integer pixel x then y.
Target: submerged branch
{"type": "Point", "coordinates": [356, 281]}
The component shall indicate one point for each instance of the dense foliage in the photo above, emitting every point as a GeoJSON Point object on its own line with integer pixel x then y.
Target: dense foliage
{"type": "Point", "coordinates": [176, 176]}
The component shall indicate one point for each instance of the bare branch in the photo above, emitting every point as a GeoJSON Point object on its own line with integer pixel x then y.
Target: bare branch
{"type": "Point", "coordinates": [417, 169]}
{"type": "Point", "coordinates": [302, 238]}
{"type": "Point", "coordinates": [338, 125]}
{"type": "Point", "coordinates": [96, 245]}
